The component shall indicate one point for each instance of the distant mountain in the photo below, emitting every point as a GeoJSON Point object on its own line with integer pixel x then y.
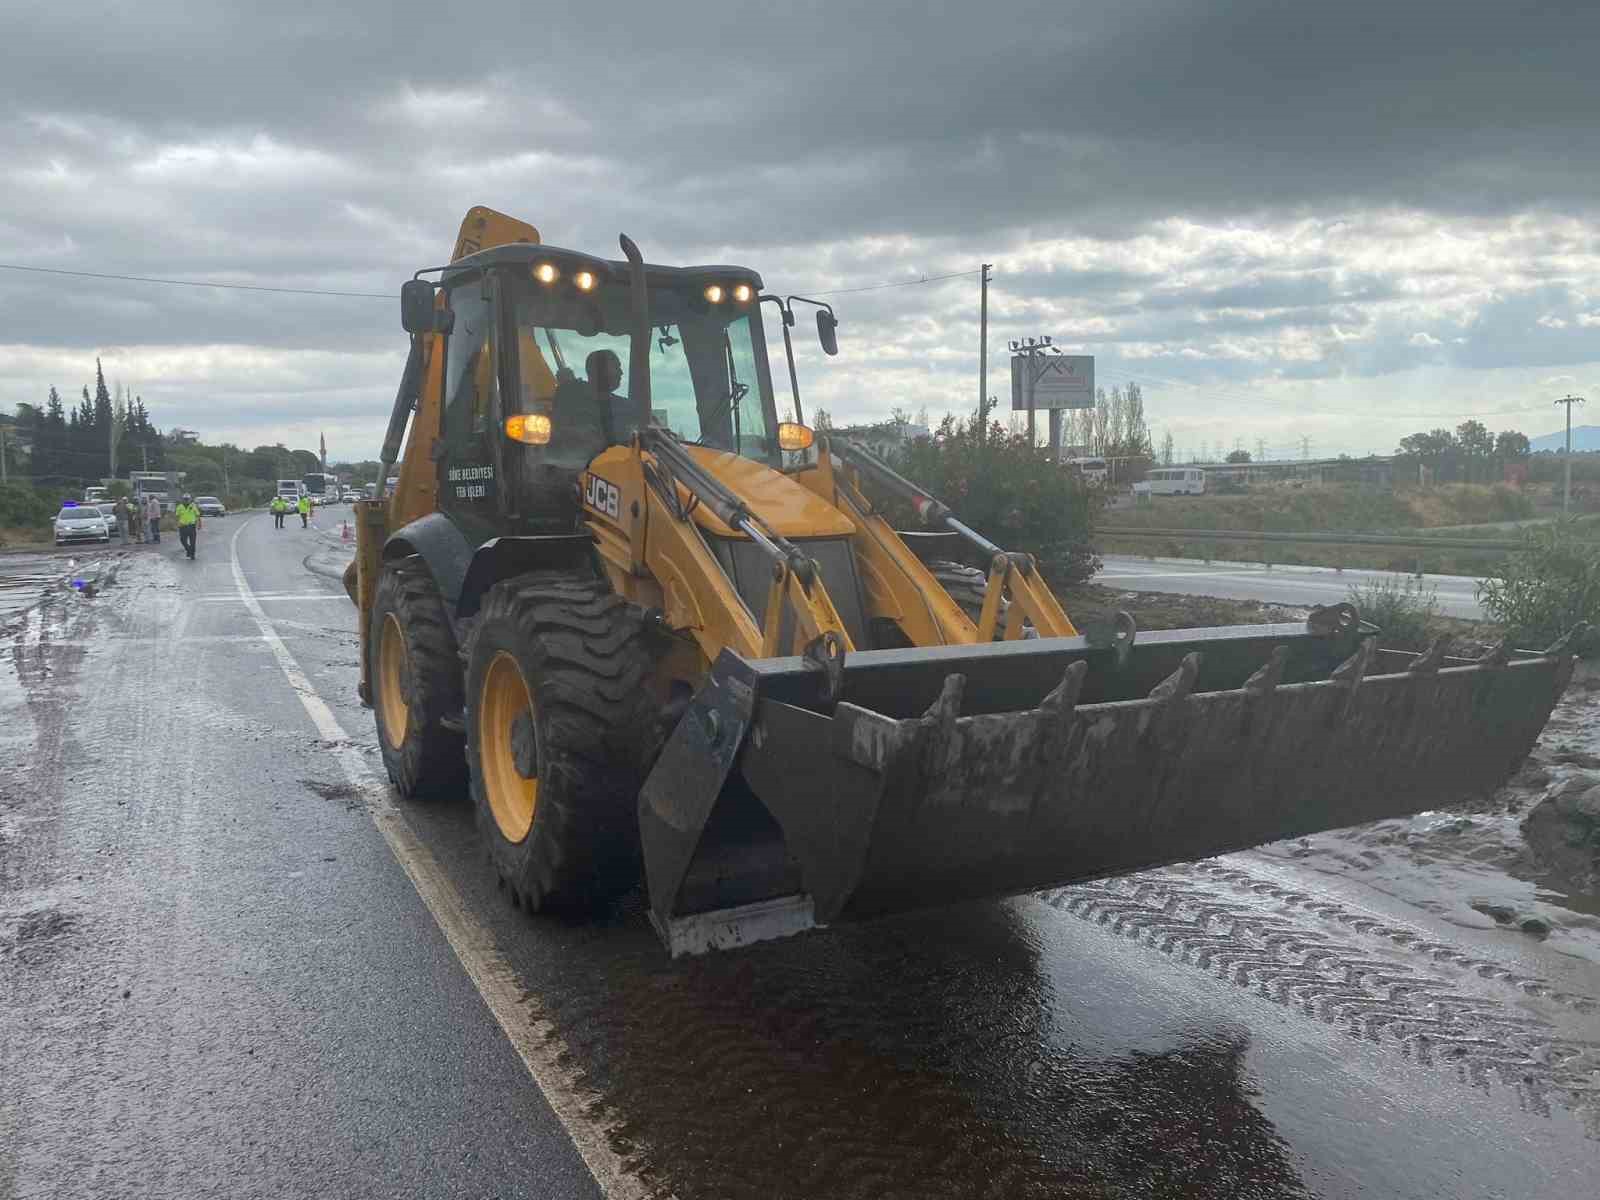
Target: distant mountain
{"type": "Point", "coordinates": [1584, 437]}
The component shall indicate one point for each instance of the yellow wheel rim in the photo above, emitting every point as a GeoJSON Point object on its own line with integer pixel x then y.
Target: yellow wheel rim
{"type": "Point", "coordinates": [502, 700]}
{"type": "Point", "coordinates": [393, 709]}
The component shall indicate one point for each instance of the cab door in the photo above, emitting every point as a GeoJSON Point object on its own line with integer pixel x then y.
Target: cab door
{"type": "Point", "coordinates": [471, 480]}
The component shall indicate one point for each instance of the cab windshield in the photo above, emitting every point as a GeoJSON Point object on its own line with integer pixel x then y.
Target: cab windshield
{"type": "Point", "coordinates": [707, 384]}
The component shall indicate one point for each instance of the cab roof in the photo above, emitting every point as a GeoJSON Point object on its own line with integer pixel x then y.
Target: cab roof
{"type": "Point", "coordinates": [607, 270]}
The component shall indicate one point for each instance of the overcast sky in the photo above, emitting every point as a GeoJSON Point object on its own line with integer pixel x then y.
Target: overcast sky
{"type": "Point", "coordinates": [1337, 221]}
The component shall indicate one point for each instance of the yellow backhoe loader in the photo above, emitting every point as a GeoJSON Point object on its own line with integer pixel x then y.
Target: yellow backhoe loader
{"type": "Point", "coordinates": [648, 624]}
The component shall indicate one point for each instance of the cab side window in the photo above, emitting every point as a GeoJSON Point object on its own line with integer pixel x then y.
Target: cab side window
{"type": "Point", "coordinates": [469, 381]}
{"type": "Point", "coordinates": [468, 468]}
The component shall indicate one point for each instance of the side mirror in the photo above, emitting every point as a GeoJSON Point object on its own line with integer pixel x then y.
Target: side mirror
{"type": "Point", "coordinates": [417, 313]}
{"type": "Point", "coordinates": [827, 324]}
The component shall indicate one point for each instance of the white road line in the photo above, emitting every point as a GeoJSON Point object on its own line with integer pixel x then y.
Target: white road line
{"type": "Point", "coordinates": [340, 596]}
{"type": "Point", "coordinates": [520, 1016]}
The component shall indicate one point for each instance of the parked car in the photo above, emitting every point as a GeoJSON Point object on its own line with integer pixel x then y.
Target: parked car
{"type": "Point", "coordinates": [109, 509]}
{"type": "Point", "coordinates": [81, 523]}
{"type": "Point", "coordinates": [210, 506]}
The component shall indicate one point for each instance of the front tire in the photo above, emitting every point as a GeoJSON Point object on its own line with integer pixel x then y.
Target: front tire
{"type": "Point", "coordinates": [415, 670]}
{"type": "Point", "coordinates": [561, 724]}
{"type": "Point", "coordinates": [967, 587]}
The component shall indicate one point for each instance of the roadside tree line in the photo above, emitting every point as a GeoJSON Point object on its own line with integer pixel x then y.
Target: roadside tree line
{"type": "Point", "coordinates": [51, 452]}
{"type": "Point", "coordinates": [1469, 454]}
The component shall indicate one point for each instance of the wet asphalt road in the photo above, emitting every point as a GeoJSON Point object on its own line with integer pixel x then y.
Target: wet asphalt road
{"type": "Point", "coordinates": [215, 978]}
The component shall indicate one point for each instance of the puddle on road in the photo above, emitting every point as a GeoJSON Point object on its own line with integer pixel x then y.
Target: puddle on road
{"type": "Point", "coordinates": [799, 1069]}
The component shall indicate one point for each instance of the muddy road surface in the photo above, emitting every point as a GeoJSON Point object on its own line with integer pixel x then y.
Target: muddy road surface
{"type": "Point", "coordinates": [232, 963]}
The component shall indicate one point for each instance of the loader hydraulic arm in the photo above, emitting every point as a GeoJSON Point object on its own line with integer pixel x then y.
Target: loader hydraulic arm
{"type": "Point", "coordinates": [819, 630]}
{"type": "Point", "coordinates": [1009, 572]}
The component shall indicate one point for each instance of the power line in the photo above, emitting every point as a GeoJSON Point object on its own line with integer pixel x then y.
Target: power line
{"type": "Point", "coordinates": [202, 283]}
{"type": "Point", "coordinates": [876, 287]}
{"type": "Point", "coordinates": [288, 291]}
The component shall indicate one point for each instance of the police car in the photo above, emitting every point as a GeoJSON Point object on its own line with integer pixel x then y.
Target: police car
{"type": "Point", "coordinates": [81, 523]}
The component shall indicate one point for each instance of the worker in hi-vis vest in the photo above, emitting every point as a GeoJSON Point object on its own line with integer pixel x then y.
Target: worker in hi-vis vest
{"type": "Point", "coordinates": [188, 518]}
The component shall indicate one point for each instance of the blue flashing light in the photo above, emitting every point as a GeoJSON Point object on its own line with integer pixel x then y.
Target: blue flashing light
{"type": "Point", "coordinates": [69, 504]}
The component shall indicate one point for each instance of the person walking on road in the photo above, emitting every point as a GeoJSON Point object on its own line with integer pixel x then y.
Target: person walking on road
{"type": "Point", "coordinates": [278, 508]}
{"type": "Point", "coordinates": [152, 518]}
{"type": "Point", "coordinates": [134, 517]}
{"type": "Point", "coordinates": [305, 511]}
{"type": "Point", "coordinates": [124, 512]}
{"type": "Point", "coordinates": [188, 518]}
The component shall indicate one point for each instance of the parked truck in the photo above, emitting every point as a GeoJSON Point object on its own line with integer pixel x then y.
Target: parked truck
{"type": "Point", "coordinates": [164, 485]}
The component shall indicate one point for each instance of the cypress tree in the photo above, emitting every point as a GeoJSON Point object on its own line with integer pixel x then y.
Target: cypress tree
{"type": "Point", "coordinates": [101, 426]}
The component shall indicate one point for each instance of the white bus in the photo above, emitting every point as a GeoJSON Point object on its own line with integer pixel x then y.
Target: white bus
{"type": "Point", "coordinates": [1172, 481]}
{"type": "Point", "coordinates": [1093, 471]}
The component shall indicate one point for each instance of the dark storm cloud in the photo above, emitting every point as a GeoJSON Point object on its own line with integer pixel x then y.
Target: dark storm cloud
{"type": "Point", "coordinates": [336, 146]}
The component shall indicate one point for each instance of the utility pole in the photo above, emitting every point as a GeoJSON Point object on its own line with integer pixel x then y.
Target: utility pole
{"type": "Point", "coordinates": [4, 478]}
{"type": "Point", "coordinates": [1261, 449]}
{"type": "Point", "coordinates": [1566, 484]}
{"type": "Point", "coordinates": [983, 354]}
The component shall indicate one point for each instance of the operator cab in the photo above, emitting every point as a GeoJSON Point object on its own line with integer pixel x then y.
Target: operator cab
{"type": "Point", "coordinates": [536, 371]}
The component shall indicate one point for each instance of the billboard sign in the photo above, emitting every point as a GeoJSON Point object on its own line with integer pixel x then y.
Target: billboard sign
{"type": "Point", "coordinates": [1061, 381]}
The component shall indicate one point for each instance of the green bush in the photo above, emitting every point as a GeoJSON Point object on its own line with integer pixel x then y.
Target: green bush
{"type": "Point", "coordinates": [1545, 588]}
{"type": "Point", "coordinates": [22, 506]}
{"type": "Point", "coordinates": [1007, 491]}
{"type": "Point", "coordinates": [1406, 610]}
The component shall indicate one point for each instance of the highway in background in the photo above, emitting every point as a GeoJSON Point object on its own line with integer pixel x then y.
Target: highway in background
{"type": "Point", "coordinates": [1457, 594]}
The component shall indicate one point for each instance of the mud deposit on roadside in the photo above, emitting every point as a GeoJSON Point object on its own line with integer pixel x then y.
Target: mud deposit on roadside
{"type": "Point", "coordinates": [24, 579]}
{"type": "Point", "coordinates": [1507, 862]}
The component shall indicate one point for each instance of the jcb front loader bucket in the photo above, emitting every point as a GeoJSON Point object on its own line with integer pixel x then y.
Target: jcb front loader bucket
{"type": "Point", "coordinates": [967, 771]}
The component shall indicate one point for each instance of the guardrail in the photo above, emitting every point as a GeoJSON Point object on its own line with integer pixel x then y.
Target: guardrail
{"type": "Point", "coordinates": [1325, 539]}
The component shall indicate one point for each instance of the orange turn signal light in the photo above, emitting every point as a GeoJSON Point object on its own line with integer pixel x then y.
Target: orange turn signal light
{"type": "Point", "coordinates": [794, 436]}
{"type": "Point", "coordinates": [531, 429]}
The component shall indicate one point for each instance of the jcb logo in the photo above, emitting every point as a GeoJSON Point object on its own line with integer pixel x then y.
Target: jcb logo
{"type": "Point", "coordinates": [601, 496]}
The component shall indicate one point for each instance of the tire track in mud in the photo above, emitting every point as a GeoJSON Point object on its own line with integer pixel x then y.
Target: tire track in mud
{"type": "Point", "coordinates": [1406, 939]}
{"type": "Point", "coordinates": [1369, 992]}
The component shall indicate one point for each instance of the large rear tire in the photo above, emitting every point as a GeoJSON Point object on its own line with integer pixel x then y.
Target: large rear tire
{"type": "Point", "coordinates": [416, 682]}
{"type": "Point", "coordinates": [562, 720]}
